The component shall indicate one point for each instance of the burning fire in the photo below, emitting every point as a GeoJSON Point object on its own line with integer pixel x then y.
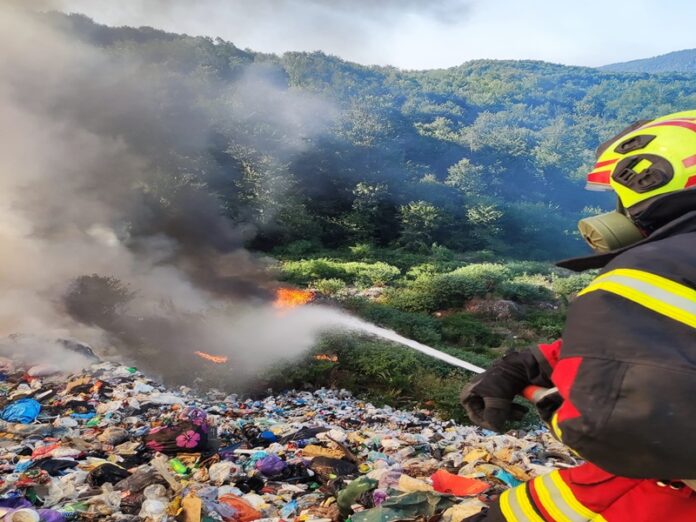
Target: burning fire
{"type": "Point", "coordinates": [291, 298]}
{"type": "Point", "coordinates": [326, 357]}
{"type": "Point", "coordinates": [217, 359]}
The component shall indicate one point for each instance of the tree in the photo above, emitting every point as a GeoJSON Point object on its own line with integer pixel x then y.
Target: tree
{"type": "Point", "coordinates": [419, 222]}
{"type": "Point", "coordinates": [466, 177]}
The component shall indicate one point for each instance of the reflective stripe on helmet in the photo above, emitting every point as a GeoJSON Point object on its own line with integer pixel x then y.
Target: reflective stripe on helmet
{"type": "Point", "coordinates": [659, 294]}
{"type": "Point", "coordinates": [668, 142]}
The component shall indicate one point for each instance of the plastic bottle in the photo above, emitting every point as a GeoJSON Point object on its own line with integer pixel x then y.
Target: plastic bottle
{"type": "Point", "coordinates": [178, 467]}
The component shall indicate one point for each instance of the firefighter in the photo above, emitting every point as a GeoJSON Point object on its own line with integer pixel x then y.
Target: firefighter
{"type": "Point", "coordinates": [626, 367]}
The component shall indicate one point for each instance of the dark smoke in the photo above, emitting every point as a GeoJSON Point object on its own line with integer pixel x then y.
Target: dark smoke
{"type": "Point", "coordinates": [109, 229]}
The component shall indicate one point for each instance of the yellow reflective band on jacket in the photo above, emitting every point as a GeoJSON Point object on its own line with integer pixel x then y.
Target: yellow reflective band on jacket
{"type": "Point", "coordinates": [556, 499]}
{"type": "Point", "coordinates": [516, 507]}
{"type": "Point", "coordinates": [657, 293]}
{"type": "Point", "coordinates": [554, 427]}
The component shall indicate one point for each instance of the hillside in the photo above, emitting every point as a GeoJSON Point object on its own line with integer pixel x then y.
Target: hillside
{"type": "Point", "coordinates": [676, 62]}
{"type": "Point", "coordinates": [490, 155]}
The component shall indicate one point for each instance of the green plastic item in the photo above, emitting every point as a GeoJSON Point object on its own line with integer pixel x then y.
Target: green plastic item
{"type": "Point", "coordinates": [32, 496]}
{"type": "Point", "coordinates": [132, 369]}
{"type": "Point", "coordinates": [75, 507]}
{"type": "Point", "coordinates": [94, 421]}
{"type": "Point", "coordinates": [406, 507]}
{"type": "Point", "coordinates": [350, 494]}
{"type": "Point", "coordinates": [178, 466]}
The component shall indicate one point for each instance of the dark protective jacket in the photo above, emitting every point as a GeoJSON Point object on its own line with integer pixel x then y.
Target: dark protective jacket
{"type": "Point", "coordinates": [626, 370]}
{"type": "Point", "coordinates": [627, 366]}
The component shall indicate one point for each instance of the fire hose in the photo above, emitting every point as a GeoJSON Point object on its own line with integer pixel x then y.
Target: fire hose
{"type": "Point", "coordinates": [532, 393]}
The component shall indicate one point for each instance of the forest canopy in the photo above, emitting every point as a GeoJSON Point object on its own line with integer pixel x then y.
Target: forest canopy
{"type": "Point", "coordinates": [307, 151]}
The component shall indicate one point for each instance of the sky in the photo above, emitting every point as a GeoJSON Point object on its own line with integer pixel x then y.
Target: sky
{"type": "Point", "coordinates": [420, 34]}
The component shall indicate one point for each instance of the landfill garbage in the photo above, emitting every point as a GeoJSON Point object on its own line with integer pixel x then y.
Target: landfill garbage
{"type": "Point", "coordinates": [111, 444]}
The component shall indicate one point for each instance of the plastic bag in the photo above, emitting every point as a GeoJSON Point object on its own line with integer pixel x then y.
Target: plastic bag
{"type": "Point", "coordinates": [154, 508]}
{"type": "Point", "coordinates": [23, 411]}
{"type": "Point", "coordinates": [445, 482]}
{"type": "Point", "coordinates": [245, 512]}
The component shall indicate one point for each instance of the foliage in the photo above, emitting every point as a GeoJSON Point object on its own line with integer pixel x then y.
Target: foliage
{"type": "Point", "coordinates": [329, 287]}
{"type": "Point", "coordinates": [527, 289]}
{"type": "Point", "coordinates": [567, 286]}
{"type": "Point", "coordinates": [354, 272]}
{"type": "Point", "coordinates": [549, 325]}
{"type": "Point", "coordinates": [306, 147]}
{"type": "Point", "coordinates": [465, 330]}
{"type": "Point", "coordinates": [419, 220]}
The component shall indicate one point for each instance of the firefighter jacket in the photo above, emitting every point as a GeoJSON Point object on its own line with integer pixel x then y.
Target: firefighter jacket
{"type": "Point", "coordinates": [626, 373]}
{"type": "Point", "coordinates": [587, 493]}
{"type": "Point", "coordinates": [626, 368]}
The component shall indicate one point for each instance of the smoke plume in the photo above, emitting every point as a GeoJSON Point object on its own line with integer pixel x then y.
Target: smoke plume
{"type": "Point", "coordinates": [109, 232]}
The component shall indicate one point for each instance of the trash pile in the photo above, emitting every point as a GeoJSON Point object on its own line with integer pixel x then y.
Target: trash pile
{"type": "Point", "coordinates": [111, 444]}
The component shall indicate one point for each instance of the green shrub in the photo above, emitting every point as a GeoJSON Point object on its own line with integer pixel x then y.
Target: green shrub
{"type": "Point", "coordinates": [329, 286]}
{"type": "Point", "coordinates": [410, 299]}
{"type": "Point", "coordinates": [567, 286]}
{"type": "Point", "coordinates": [548, 324]}
{"type": "Point", "coordinates": [371, 274]}
{"type": "Point", "coordinates": [526, 289]}
{"type": "Point", "coordinates": [304, 271]}
{"type": "Point", "coordinates": [361, 251]}
{"type": "Point", "coordinates": [518, 268]}
{"type": "Point", "coordinates": [465, 330]}
{"type": "Point", "coordinates": [423, 269]}
{"type": "Point", "coordinates": [455, 288]}
{"type": "Point", "coordinates": [486, 275]}
{"type": "Point", "coordinates": [431, 291]}
{"type": "Point", "coordinates": [354, 272]}
{"type": "Point", "coordinates": [441, 253]}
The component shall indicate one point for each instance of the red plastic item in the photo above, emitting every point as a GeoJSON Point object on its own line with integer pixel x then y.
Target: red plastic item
{"type": "Point", "coordinates": [245, 511]}
{"type": "Point", "coordinates": [445, 482]}
{"type": "Point", "coordinates": [44, 451]}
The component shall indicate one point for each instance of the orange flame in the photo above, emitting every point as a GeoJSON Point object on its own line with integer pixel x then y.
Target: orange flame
{"type": "Point", "coordinates": [326, 357]}
{"type": "Point", "coordinates": [291, 298]}
{"type": "Point", "coordinates": [217, 359]}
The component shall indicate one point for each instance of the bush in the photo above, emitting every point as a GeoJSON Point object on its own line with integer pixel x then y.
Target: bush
{"type": "Point", "coordinates": [410, 299]}
{"type": "Point", "coordinates": [526, 289]}
{"type": "Point", "coordinates": [371, 274]}
{"type": "Point", "coordinates": [465, 330]}
{"type": "Point", "coordinates": [353, 272]}
{"type": "Point", "coordinates": [518, 268]}
{"type": "Point", "coordinates": [485, 276]}
{"type": "Point", "coordinates": [361, 251]}
{"type": "Point", "coordinates": [567, 286]}
{"type": "Point", "coordinates": [329, 286]}
{"type": "Point", "coordinates": [432, 291]}
{"type": "Point", "coordinates": [548, 324]}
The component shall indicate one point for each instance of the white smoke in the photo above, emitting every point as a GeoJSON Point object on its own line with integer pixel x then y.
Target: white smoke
{"type": "Point", "coordinates": [85, 252]}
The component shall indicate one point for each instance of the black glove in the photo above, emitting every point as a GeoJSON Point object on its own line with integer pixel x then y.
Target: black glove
{"type": "Point", "coordinates": [487, 399]}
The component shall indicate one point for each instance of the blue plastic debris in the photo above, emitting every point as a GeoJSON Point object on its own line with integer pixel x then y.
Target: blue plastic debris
{"type": "Point", "coordinates": [507, 478]}
{"type": "Point", "coordinates": [24, 411]}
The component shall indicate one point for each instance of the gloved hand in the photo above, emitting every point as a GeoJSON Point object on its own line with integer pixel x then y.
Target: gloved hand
{"type": "Point", "coordinates": [487, 399]}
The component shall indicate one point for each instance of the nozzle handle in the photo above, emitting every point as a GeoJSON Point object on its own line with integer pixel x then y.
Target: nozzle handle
{"type": "Point", "coordinates": [534, 393]}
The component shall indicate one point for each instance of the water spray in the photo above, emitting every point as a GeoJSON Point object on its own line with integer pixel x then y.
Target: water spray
{"type": "Point", "coordinates": [532, 393]}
